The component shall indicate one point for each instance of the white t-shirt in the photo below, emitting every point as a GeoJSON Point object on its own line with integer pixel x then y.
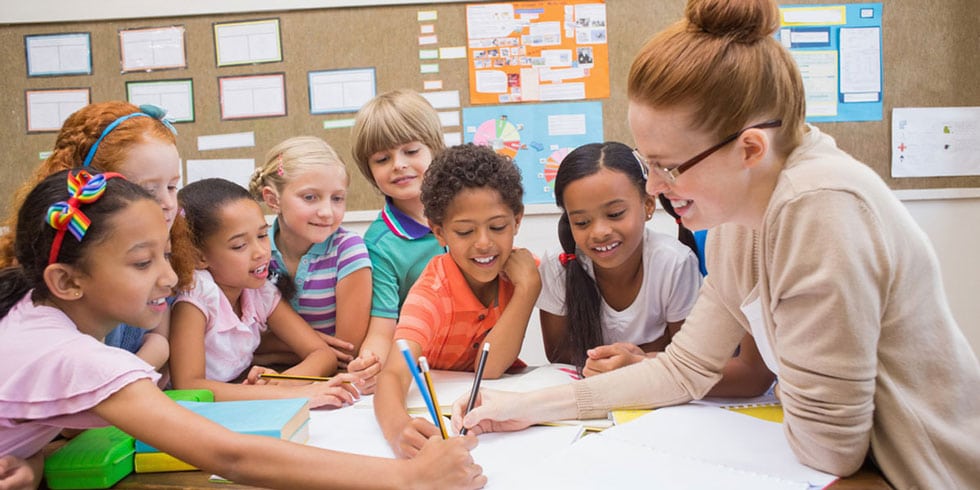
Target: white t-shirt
{"type": "Point", "coordinates": [671, 281]}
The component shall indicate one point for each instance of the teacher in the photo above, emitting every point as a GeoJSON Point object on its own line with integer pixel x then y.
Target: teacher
{"type": "Point", "coordinates": [809, 251]}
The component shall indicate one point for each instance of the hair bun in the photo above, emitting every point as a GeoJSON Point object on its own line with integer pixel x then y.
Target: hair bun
{"type": "Point", "coordinates": [744, 21]}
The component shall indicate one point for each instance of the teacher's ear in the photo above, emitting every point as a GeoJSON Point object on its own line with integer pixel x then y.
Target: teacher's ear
{"type": "Point", "coordinates": [753, 147]}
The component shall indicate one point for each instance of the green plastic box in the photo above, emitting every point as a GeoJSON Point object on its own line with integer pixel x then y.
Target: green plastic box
{"type": "Point", "coordinates": [99, 458]}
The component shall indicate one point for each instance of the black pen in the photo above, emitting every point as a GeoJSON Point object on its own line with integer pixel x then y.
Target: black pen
{"type": "Point", "coordinates": [476, 383]}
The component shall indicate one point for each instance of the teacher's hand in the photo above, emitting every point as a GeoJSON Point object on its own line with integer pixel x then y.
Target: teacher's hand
{"type": "Point", "coordinates": [494, 411]}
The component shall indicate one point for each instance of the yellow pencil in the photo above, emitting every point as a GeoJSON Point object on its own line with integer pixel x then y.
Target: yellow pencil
{"type": "Point", "coordinates": [295, 377]}
{"type": "Point", "coordinates": [432, 392]}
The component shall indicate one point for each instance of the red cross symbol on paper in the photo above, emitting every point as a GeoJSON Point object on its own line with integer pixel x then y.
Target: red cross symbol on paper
{"type": "Point", "coordinates": [902, 147]}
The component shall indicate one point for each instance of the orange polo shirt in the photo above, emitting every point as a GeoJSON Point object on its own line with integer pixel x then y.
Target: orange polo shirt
{"type": "Point", "coordinates": [446, 319]}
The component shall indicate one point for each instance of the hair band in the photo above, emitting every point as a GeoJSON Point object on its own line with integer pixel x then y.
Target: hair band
{"type": "Point", "coordinates": [147, 110]}
{"type": "Point", "coordinates": [279, 170]}
{"type": "Point", "coordinates": [565, 258]}
{"type": "Point", "coordinates": [67, 215]}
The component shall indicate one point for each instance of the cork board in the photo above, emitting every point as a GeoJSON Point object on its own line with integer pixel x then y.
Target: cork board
{"type": "Point", "coordinates": [930, 60]}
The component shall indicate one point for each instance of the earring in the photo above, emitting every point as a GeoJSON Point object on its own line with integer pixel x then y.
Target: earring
{"type": "Point", "coordinates": [78, 293]}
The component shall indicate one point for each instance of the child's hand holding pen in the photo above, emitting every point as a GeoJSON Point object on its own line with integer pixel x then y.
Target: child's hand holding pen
{"type": "Point", "coordinates": [255, 377]}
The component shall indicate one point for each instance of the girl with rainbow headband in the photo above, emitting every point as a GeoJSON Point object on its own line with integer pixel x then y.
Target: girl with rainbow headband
{"type": "Point", "coordinates": [90, 257]}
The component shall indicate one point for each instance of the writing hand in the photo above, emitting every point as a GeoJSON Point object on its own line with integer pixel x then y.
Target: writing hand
{"type": "Point", "coordinates": [447, 464]}
{"type": "Point", "coordinates": [255, 373]}
{"type": "Point", "coordinates": [408, 441]}
{"type": "Point", "coordinates": [494, 411]}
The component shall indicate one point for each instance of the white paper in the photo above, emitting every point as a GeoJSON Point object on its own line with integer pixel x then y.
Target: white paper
{"type": "Point", "coordinates": [813, 16]}
{"type": "Point", "coordinates": [341, 90]}
{"type": "Point", "coordinates": [59, 54]}
{"type": "Point", "coordinates": [444, 99]}
{"type": "Point", "coordinates": [427, 15]}
{"type": "Point", "coordinates": [432, 84]}
{"type": "Point", "coordinates": [491, 81]}
{"type": "Point", "coordinates": [247, 42]}
{"type": "Point", "coordinates": [935, 141]}
{"type": "Point", "coordinates": [175, 96]}
{"type": "Point", "coordinates": [223, 141]}
{"type": "Point", "coordinates": [566, 124]}
{"type": "Point", "coordinates": [722, 437]}
{"type": "Point", "coordinates": [489, 21]}
{"type": "Point", "coordinates": [48, 109]}
{"type": "Point", "coordinates": [860, 59]}
{"type": "Point", "coordinates": [452, 139]}
{"type": "Point", "coordinates": [562, 91]}
{"type": "Point", "coordinates": [429, 68]}
{"type": "Point", "coordinates": [452, 52]}
{"type": "Point", "coordinates": [819, 71]}
{"type": "Point", "coordinates": [449, 118]}
{"type": "Point", "coordinates": [152, 49]}
{"type": "Point", "coordinates": [252, 96]}
{"type": "Point", "coordinates": [237, 170]}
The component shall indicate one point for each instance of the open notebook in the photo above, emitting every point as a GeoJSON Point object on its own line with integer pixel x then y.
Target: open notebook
{"type": "Point", "coordinates": [688, 446]}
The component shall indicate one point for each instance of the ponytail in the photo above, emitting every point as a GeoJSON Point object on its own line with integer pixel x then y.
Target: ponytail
{"type": "Point", "coordinates": [283, 282]}
{"type": "Point", "coordinates": [582, 302]}
{"type": "Point", "coordinates": [13, 286]}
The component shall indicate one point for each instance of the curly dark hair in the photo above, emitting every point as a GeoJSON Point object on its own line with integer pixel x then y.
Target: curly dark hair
{"type": "Point", "coordinates": [469, 166]}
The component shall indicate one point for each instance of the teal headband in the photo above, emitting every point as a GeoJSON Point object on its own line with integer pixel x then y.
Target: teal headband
{"type": "Point", "coordinates": [147, 110]}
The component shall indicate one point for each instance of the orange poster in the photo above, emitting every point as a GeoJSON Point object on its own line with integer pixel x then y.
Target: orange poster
{"type": "Point", "coordinates": [537, 51]}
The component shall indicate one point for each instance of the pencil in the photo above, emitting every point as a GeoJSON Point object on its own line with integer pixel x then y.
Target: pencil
{"type": "Point", "coordinates": [414, 369]}
{"type": "Point", "coordinates": [476, 382]}
{"type": "Point", "coordinates": [296, 377]}
{"type": "Point", "coordinates": [435, 401]}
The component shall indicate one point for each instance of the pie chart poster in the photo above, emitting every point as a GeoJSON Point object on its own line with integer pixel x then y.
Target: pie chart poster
{"type": "Point", "coordinates": [536, 136]}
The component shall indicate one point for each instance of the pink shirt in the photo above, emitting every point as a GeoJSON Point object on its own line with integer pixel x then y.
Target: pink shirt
{"type": "Point", "coordinates": [230, 340]}
{"type": "Point", "coordinates": [51, 375]}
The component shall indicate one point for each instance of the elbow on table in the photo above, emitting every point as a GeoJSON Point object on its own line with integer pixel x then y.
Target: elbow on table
{"type": "Point", "coordinates": [841, 460]}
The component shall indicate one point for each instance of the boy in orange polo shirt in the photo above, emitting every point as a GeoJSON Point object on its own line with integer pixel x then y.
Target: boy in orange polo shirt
{"type": "Point", "coordinates": [482, 290]}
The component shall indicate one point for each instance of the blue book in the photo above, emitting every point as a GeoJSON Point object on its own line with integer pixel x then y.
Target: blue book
{"type": "Point", "coordinates": [282, 419]}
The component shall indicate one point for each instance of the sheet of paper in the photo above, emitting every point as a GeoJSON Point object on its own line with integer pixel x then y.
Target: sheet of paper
{"type": "Point", "coordinates": [240, 43]}
{"type": "Point", "coordinates": [721, 436]}
{"type": "Point", "coordinates": [222, 141]}
{"type": "Point", "coordinates": [48, 109]}
{"type": "Point", "coordinates": [935, 141]}
{"type": "Point", "coordinates": [443, 99]}
{"type": "Point", "coordinates": [252, 96]}
{"type": "Point", "coordinates": [59, 54]}
{"type": "Point", "coordinates": [176, 96]}
{"type": "Point", "coordinates": [237, 170]}
{"type": "Point", "coordinates": [341, 90]}
{"type": "Point", "coordinates": [152, 49]}
{"type": "Point", "coordinates": [860, 60]}
{"type": "Point", "coordinates": [819, 71]}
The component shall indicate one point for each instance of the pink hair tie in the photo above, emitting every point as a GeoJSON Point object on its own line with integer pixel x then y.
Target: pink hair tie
{"type": "Point", "coordinates": [67, 215]}
{"type": "Point", "coordinates": [279, 169]}
{"type": "Point", "coordinates": [565, 258]}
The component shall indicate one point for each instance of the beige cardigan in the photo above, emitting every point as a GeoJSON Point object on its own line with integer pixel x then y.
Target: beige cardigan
{"type": "Point", "coordinates": [852, 299]}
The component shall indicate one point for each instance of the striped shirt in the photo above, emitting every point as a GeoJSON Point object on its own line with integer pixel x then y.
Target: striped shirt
{"type": "Point", "coordinates": [318, 272]}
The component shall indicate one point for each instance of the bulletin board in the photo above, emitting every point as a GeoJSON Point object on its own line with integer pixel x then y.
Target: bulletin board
{"type": "Point", "coordinates": [929, 59]}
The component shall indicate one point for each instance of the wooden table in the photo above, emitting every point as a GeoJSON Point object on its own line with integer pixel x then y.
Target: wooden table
{"type": "Point", "coordinates": [867, 478]}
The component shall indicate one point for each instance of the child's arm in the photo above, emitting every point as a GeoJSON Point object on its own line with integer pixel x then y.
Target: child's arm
{"type": "Point", "coordinates": [141, 410]}
{"type": "Point", "coordinates": [156, 344]}
{"type": "Point", "coordinates": [21, 474]}
{"type": "Point", "coordinates": [187, 368]}
{"type": "Point", "coordinates": [507, 335]}
{"type": "Point", "coordinates": [373, 353]}
{"type": "Point", "coordinates": [316, 357]}
{"type": "Point", "coordinates": [554, 328]}
{"type": "Point", "coordinates": [404, 434]}
{"type": "Point", "coordinates": [354, 307]}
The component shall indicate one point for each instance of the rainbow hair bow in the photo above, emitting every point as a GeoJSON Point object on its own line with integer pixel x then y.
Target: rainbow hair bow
{"type": "Point", "coordinates": [84, 188]}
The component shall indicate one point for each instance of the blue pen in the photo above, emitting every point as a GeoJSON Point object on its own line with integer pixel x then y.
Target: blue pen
{"type": "Point", "coordinates": [407, 353]}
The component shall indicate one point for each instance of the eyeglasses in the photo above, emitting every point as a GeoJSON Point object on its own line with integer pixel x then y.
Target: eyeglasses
{"type": "Point", "coordinates": [669, 175]}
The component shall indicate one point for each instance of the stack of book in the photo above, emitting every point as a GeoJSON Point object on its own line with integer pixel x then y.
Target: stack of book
{"type": "Point", "coordinates": [286, 419]}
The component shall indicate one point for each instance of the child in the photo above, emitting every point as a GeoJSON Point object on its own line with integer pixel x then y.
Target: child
{"type": "Point", "coordinates": [305, 183]}
{"type": "Point", "coordinates": [482, 290]}
{"type": "Point", "coordinates": [216, 327]}
{"type": "Point", "coordinates": [394, 139]}
{"type": "Point", "coordinates": [620, 291]}
{"type": "Point", "coordinates": [140, 144]}
{"type": "Point", "coordinates": [70, 289]}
